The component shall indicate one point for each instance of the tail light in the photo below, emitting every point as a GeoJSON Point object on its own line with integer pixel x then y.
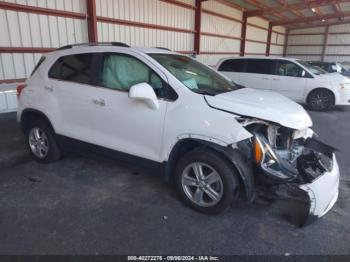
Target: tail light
{"type": "Point", "coordinates": [20, 89]}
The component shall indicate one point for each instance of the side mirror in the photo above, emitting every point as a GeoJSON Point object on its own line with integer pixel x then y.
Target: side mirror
{"type": "Point", "coordinates": [144, 92]}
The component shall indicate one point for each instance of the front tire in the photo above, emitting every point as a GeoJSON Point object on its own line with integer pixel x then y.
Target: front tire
{"type": "Point", "coordinates": [41, 142]}
{"type": "Point", "coordinates": [320, 100]}
{"type": "Point", "coordinates": [205, 181]}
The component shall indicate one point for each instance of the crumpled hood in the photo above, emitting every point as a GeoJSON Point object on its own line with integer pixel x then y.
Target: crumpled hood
{"type": "Point", "coordinates": [264, 105]}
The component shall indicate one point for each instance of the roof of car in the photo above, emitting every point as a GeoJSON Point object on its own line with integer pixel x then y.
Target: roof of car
{"type": "Point", "coordinates": [152, 50]}
{"type": "Point", "coordinates": [86, 46]}
{"type": "Point", "coordinates": [260, 57]}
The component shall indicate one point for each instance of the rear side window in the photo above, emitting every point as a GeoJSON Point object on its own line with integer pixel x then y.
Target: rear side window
{"type": "Point", "coordinates": [41, 60]}
{"type": "Point", "coordinates": [286, 68]}
{"type": "Point", "coordinates": [259, 66]}
{"type": "Point", "coordinates": [232, 65]}
{"type": "Point", "coordinates": [75, 68]}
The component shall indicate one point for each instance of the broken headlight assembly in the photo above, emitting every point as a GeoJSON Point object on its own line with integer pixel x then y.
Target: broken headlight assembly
{"type": "Point", "coordinates": [267, 159]}
{"type": "Point", "coordinates": [294, 168]}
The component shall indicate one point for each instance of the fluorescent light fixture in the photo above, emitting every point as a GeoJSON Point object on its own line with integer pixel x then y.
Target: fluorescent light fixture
{"type": "Point", "coordinates": [313, 10]}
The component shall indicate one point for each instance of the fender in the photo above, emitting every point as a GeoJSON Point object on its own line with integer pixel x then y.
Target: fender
{"type": "Point", "coordinates": [234, 154]}
{"type": "Point", "coordinates": [31, 112]}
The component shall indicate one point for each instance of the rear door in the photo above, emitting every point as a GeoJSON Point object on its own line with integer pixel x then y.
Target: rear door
{"type": "Point", "coordinates": [289, 79]}
{"type": "Point", "coordinates": [71, 82]}
{"type": "Point", "coordinates": [232, 68]}
{"type": "Point", "coordinates": [258, 74]}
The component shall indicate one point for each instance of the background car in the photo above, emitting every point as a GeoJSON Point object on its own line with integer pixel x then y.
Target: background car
{"type": "Point", "coordinates": [331, 67]}
{"type": "Point", "coordinates": [296, 79]}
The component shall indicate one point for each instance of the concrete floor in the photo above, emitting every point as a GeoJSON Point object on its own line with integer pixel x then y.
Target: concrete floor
{"type": "Point", "coordinates": [88, 204]}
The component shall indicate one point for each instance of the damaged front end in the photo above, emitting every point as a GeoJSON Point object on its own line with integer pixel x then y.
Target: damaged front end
{"type": "Point", "coordinates": [295, 162]}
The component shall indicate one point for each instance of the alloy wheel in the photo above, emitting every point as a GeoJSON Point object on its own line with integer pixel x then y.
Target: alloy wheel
{"type": "Point", "coordinates": [320, 101]}
{"type": "Point", "coordinates": [38, 142]}
{"type": "Point", "coordinates": [202, 184]}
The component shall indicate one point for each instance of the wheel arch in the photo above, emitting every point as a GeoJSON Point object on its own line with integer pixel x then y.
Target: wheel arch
{"type": "Point", "coordinates": [321, 88]}
{"type": "Point", "coordinates": [240, 164]}
{"type": "Point", "coordinates": [29, 115]}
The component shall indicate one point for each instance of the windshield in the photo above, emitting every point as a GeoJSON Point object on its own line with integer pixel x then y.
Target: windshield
{"type": "Point", "coordinates": [314, 69]}
{"type": "Point", "coordinates": [194, 75]}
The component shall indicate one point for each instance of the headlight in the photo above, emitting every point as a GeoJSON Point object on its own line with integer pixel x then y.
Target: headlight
{"type": "Point", "coordinates": [269, 161]}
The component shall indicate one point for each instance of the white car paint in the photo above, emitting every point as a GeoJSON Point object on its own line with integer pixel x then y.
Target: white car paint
{"type": "Point", "coordinates": [321, 203]}
{"type": "Point", "coordinates": [117, 120]}
{"type": "Point", "coordinates": [263, 105]}
{"type": "Point", "coordinates": [296, 88]}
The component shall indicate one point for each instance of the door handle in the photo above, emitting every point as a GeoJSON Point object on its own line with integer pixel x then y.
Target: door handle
{"type": "Point", "coordinates": [99, 102]}
{"type": "Point", "coordinates": [49, 88]}
{"type": "Point", "coordinates": [265, 78]}
{"type": "Point", "coordinates": [276, 79]}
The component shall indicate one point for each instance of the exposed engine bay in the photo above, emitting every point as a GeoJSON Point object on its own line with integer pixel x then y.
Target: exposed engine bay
{"type": "Point", "coordinates": [294, 159]}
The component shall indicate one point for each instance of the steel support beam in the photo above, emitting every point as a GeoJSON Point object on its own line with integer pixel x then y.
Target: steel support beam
{"type": "Point", "coordinates": [285, 43]}
{"type": "Point", "coordinates": [325, 40]}
{"type": "Point", "coordinates": [243, 33]}
{"type": "Point", "coordinates": [197, 27]}
{"type": "Point", "coordinates": [268, 43]}
{"type": "Point", "coordinates": [92, 20]}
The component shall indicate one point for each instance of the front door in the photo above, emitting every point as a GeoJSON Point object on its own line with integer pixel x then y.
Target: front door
{"type": "Point", "coordinates": [122, 123]}
{"type": "Point", "coordinates": [288, 80]}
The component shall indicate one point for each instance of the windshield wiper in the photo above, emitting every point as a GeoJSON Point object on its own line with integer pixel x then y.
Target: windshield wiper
{"type": "Point", "coordinates": [204, 92]}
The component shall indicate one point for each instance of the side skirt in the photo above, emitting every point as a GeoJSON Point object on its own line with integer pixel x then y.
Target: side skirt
{"type": "Point", "coordinates": [84, 148]}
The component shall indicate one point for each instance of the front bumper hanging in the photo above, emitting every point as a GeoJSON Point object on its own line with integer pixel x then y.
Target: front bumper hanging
{"type": "Point", "coordinates": [323, 192]}
{"type": "Point", "coordinates": [314, 178]}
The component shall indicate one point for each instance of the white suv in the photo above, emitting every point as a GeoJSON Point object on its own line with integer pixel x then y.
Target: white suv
{"type": "Point", "coordinates": [296, 79]}
{"type": "Point", "coordinates": [209, 135]}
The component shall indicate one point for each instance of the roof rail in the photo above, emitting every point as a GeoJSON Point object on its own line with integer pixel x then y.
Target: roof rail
{"type": "Point", "coordinates": [163, 48]}
{"type": "Point", "coordinates": [93, 44]}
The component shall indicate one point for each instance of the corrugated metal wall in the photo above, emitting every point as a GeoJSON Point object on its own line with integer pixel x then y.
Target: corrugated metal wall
{"type": "Point", "coordinates": [257, 31]}
{"type": "Point", "coordinates": [278, 38]}
{"type": "Point", "coordinates": [256, 35]}
{"type": "Point", "coordinates": [8, 98]}
{"type": "Point", "coordinates": [151, 12]}
{"type": "Point", "coordinates": [220, 35]}
{"type": "Point", "coordinates": [308, 43]}
{"type": "Point", "coordinates": [338, 43]}
{"type": "Point", "coordinates": [21, 29]}
{"type": "Point", "coordinates": [135, 22]}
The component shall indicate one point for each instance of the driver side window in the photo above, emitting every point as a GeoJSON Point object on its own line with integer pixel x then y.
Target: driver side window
{"type": "Point", "coordinates": [286, 68]}
{"type": "Point", "coordinates": [121, 72]}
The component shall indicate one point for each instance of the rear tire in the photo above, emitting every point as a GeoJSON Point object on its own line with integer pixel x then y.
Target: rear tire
{"type": "Point", "coordinates": [42, 143]}
{"type": "Point", "coordinates": [205, 181]}
{"type": "Point", "coordinates": [320, 100]}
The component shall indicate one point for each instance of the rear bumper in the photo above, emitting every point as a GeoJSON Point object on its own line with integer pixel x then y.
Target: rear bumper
{"type": "Point", "coordinates": [323, 192]}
